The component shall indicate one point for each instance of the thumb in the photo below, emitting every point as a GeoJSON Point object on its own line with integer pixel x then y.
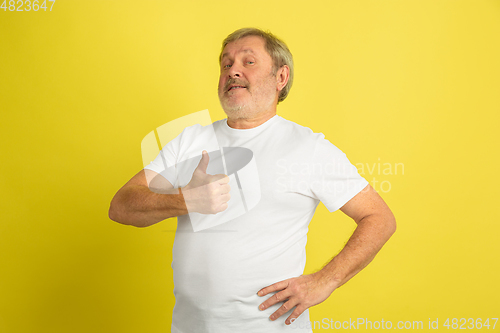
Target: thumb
{"type": "Point", "coordinates": [202, 166]}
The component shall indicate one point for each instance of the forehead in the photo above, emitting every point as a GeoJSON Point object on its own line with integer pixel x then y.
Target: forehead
{"type": "Point", "coordinates": [250, 44]}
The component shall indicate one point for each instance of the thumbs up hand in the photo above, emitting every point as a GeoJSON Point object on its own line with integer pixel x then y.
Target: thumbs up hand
{"type": "Point", "coordinates": [206, 194]}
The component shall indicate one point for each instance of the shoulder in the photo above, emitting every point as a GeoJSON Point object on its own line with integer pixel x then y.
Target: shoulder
{"type": "Point", "coordinates": [316, 140]}
{"type": "Point", "coordinates": [301, 132]}
{"type": "Point", "coordinates": [291, 125]}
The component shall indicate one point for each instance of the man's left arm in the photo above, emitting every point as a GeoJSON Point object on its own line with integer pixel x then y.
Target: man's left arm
{"type": "Point", "coordinates": [375, 225]}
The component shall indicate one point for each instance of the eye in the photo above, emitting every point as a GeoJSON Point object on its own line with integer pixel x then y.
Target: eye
{"type": "Point", "coordinates": [250, 62]}
{"type": "Point", "coordinates": [227, 66]}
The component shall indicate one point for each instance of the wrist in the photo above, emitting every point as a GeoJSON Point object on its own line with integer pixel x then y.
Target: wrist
{"type": "Point", "coordinates": [187, 196]}
{"type": "Point", "coordinates": [330, 279]}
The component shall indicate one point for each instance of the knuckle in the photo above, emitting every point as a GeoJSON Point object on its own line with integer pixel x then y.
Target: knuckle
{"type": "Point", "coordinates": [298, 311]}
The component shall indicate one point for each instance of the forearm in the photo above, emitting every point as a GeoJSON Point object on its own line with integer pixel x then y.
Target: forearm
{"type": "Point", "coordinates": [370, 235]}
{"type": "Point", "coordinates": [139, 206]}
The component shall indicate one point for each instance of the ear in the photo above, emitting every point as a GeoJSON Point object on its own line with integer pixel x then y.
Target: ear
{"type": "Point", "coordinates": [282, 76]}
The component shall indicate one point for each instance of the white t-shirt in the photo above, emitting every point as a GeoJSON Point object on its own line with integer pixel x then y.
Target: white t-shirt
{"type": "Point", "coordinates": [218, 270]}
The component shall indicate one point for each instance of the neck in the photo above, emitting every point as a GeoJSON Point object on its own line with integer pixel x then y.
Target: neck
{"type": "Point", "coordinates": [246, 123]}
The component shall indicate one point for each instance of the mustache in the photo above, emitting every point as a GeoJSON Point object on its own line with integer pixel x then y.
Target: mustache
{"type": "Point", "coordinates": [233, 82]}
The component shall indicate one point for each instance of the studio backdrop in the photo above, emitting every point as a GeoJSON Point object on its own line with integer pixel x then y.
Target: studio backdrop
{"type": "Point", "coordinates": [409, 90]}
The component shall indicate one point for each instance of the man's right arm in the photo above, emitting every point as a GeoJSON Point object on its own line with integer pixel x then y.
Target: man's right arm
{"type": "Point", "coordinates": [141, 204]}
{"type": "Point", "coordinates": [149, 198]}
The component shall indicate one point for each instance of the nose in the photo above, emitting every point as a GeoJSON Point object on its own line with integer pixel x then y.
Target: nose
{"type": "Point", "coordinates": [234, 71]}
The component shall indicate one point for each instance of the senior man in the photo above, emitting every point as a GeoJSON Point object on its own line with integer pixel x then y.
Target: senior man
{"type": "Point", "coordinates": [244, 274]}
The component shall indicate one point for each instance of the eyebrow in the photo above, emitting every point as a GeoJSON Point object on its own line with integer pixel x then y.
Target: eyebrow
{"type": "Point", "coordinates": [245, 51]}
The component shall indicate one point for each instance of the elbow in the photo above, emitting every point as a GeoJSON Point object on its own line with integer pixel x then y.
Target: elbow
{"type": "Point", "coordinates": [114, 209]}
{"type": "Point", "coordinates": [386, 224]}
{"type": "Point", "coordinates": [112, 214]}
{"type": "Point", "coordinates": [117, 214]}
{"type": "Point", "coordinates": [391, 224]}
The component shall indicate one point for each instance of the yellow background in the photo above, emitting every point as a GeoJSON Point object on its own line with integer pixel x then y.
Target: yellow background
{"type": "Point", "coordinates": [411, 82]}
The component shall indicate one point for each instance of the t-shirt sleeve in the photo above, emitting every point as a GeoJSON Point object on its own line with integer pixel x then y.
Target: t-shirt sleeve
{"type": "Point", "coordinates": [165, 162]}
{"type": "Point", "coordinates": [335, 180]}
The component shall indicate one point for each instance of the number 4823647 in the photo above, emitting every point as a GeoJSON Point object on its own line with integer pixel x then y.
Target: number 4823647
{"type": "Point", "coordinates": [25, 5]}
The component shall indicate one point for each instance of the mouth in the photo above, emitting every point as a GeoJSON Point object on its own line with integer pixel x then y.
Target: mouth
{"type": "Point", "coordinates": [236, 87]}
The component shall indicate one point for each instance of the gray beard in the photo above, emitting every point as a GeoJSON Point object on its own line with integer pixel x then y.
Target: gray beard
{"type": "Point", "coordinates": [242, 111]}
{"type": "Point", "coordinates": [236, 111]}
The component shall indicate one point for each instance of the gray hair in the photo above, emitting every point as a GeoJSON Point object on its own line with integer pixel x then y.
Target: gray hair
{"type": "Point", "coordinates": [276, 48]}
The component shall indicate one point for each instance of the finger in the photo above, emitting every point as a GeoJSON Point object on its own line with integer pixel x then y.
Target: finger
{"type": "Point", "coordinates": [295, 314]}
{"type": "Point", "coordinates": [223, 203]}
{"type": "Point", "coordinates": [222, 207]}
{"type": "Point", "coordinates": [221, 179]}
{"type": "Point", "coordinates": [224, 189]}
{"type": "Point", "coordinates": [224, 199]}
{"type": "Point", "coordinates": [274, 287]}
{"type": "Point", "coordinates": [276, 298]}
{"type": "Point", "coordinates": [202, 166]}
{"type": "Point", "coordinates": [287, 306]}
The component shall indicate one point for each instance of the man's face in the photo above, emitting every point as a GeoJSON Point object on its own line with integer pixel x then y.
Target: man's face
{"type": "Point", "coordinates": [247, 85]}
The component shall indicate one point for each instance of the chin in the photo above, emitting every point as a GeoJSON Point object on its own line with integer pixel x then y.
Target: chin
{"type": "Point", "coordinates": [234, 111]}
